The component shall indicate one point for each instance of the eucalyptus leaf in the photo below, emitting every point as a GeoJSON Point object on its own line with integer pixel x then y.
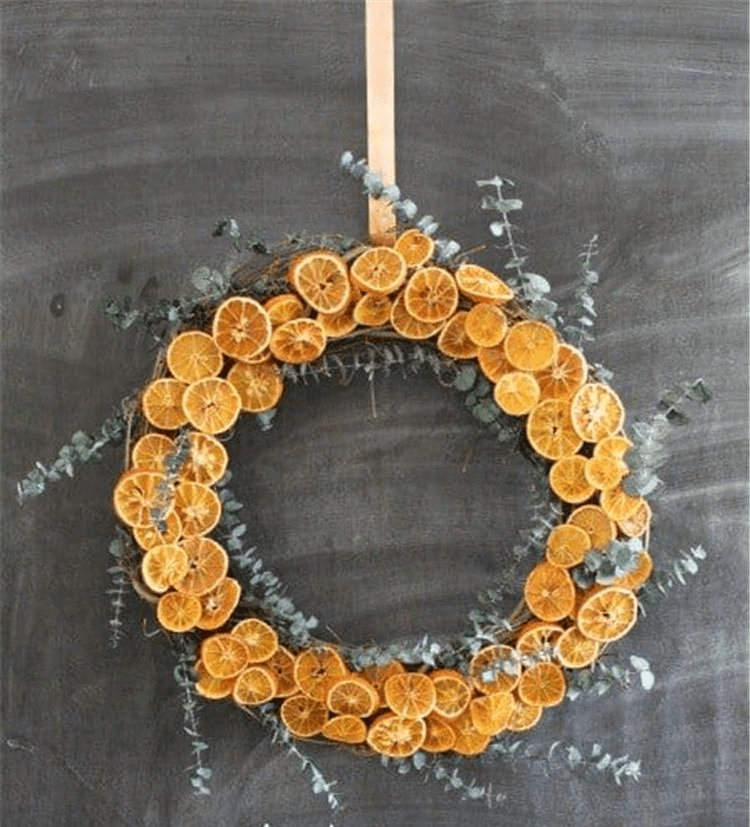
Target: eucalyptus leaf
{"type": "Point", "coordinates": [537, 283]}
{"type": "Point", "coordinates": [465, 378]}
{"type": "Point", "coordinates": [699, 391]}
{"type": "Point", "coordinates": [639, 664]}
{"type": "Point", "coordinates": [647, 680]}
{"type": "Point", "coordinates": [677, 417]}
{"type": "Point", "coordinates": [406, 208]}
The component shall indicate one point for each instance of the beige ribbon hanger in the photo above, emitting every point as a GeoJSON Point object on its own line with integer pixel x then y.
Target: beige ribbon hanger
{"type": "Point", "coordinates": [381, 150]}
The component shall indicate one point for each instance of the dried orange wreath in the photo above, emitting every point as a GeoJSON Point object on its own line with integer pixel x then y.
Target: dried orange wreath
{"type": "Point", "coordinates": [168, 499]}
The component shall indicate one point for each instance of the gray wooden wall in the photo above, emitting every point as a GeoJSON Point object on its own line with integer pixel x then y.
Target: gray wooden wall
{"type": "Point", "coordinates": [128, 129]}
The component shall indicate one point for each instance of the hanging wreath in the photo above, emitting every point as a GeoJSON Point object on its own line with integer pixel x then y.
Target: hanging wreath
{"type": "Point", "coordinates": [234, 359]}
{"type": "Point", "coordinates": [331, 306]}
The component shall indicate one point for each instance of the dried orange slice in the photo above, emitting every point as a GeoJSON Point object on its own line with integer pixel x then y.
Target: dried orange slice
{"type": "Point", "coordinates": [223, 655]}
{"type": "Point", "coordinates": [152, 535]}
{"type": "Point", "coordinates": [495, 668]}
{"type": "Point", "coordinates": [530, 345]}
{"type": "Point", "coordinates": [493, 363]}
{"type": "Point", "coordinates": [151, 450]}
{"type": "Point", "coordinates": [564, 375]}
{"type": "Point", "coordinates": [431, 295]}
{"type": "Point", "coordinates": [259, 386]}
{"type": "Point", "coordinates": [603, 472]}
{"type": "Point", "coordinates": [567, 545]}
{"type": "Point", "coordinates": [322, 279]}
{"type": "Point", "coordinates": [263, 356]}
{"type": "Point", "coordinates": [409, 327]}
{"type": "Point", "coordinates": [410, 694]}
{"type": "Point", "coordinates": [396, 737]}
{"type": "Point", "coordinates": [193, 355]}
{"type": "Point", "coordinates": [638, 522]}
{"type": "Point", "coordinates": [469, 741]}
{"type": "Point", "coordinates": [207, 565]}
{"type": "Point", "coordinates": [549, 592]}
{"type": "Point", "coordinates": [254, 686]}
{"type": "Point", "coordinates": [440, 735]}
{"type": "Point", "coordinates": [352, 695]}
{"type": "Point", "coordinates": [298, 341]}
{"type": "Point", "coordinates": [303, 716]}
{"type": "Point", "coordinates": [163, 566]}
{"type": "Point", "coordinates": [481, 285]}
{"type": "Point", "coordinates": [595, 523]}
{"type": "Point", "coordinates": [618, 504]}
{"type": "Point", "coordinates": [346, 729]}
{"type": "Point", "coordinates": [208, 459]}
{"type": "Point", "coordinates": [139, 495]}
{"type": "Point", "coordinates": [210, 687]}
{"type": "Point", "coordinates": [596, 411]}
{"type": "Point", "coordinates": [452, 692]}
{"type": "Point", "coordinates": [607, 613]}
{"type": "Point", "coordinates": [336, 325]}
{"type": "Point", "coordinates": [490, 713]}
{"type": "Point", "coordinates": [198, 506]}
{"type": "Point", "coordinates": [379, 270]}
{"type": "Point", "coordinates": [542, 684]}
{"type": "Point", "coordinates": [549, 429]}
{"type": "Point", "coordinates": [415, 246]}
{"type": "Point", "coordinates": [635, 578]}
{"type": "Point", "coordinates": [284, 308]}
{"type": "Point", "coordinates": [315, 670]}
{"type": "Point", "coordinates": [574, 650]}
{"type": "Point", "coordinates": [613, 447]}
{"type": "Point", "coordinates": [486, 325]}
{"type": "Point", "coordinates": [241, 328]}
{"type": "Point", "coordinates": [281, 663]}
{"type": "Point", "coordinates": [453, 340]}
{"type": "Point", "coordinates": [219, 603]}
{"type": "Point", "coordinates": [524, 716]}
{"type": "Point", "coordinates": [567, 479]}
{"type": "Point", "coordinates": [178, 612]}
{"type": "Point", "coordinates": [162, 404]}
{"type": "Point", "coordinates": [372, 310]}
{"type": "Point", "coordinates": [211, 405]}
{"type": "Point", "coordinates": [261, 640]}
{"type": "Point", "coordinates": [378, 674]}
{"type": "Point", "coordinates": [516, 392]}
{"type": "Point", "coordinates": [536, 640]}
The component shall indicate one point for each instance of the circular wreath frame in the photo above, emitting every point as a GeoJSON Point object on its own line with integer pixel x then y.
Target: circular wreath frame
{"type": "Point", "coordinates": [488, 660]}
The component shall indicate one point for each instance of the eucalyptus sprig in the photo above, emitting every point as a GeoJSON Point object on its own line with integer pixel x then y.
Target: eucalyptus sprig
{"type": "Point", "coordinates": [121, 583]}
{"type": "Point", "coordinates": [608, 672]}
{"type": "Point", "coordinates": [604, 566]}
{"type": "Point", "coordinates": [662, 580]}
{"type": "Point", "coordinates": [531, 287]}
{"type": "Point", "coordinates": [184, 676]}
{"type": "Point", "coordinates": [264, 592]}
{"type": "Point", "coordinates": [580, 330]}
{"type": "Point", "coordinates": [82, 449]}
{"type": "Point", "coordinates": [404, 209]}
{"type": "Point", "coordinates": [448, 773]}
{"type": "Point", "coordinates": [320, 785]}
{"type": "Point", "coordinates": [649, 451]}
{"type": "Point", "coordinates": [561, 755]}
{"type": "Point", "coordinates": [230, 228]}
{"type": "Point", "coordinates": [511, 749]}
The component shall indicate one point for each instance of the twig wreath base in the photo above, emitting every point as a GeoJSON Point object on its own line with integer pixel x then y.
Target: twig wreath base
{"type": "Point", "coordinates": [305, 313]}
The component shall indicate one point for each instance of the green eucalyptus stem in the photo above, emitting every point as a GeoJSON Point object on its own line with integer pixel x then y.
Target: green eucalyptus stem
{"type": "Point", "coordinates": [320, 785]}
{"type": "Point", "coordinates": [184, 677]}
